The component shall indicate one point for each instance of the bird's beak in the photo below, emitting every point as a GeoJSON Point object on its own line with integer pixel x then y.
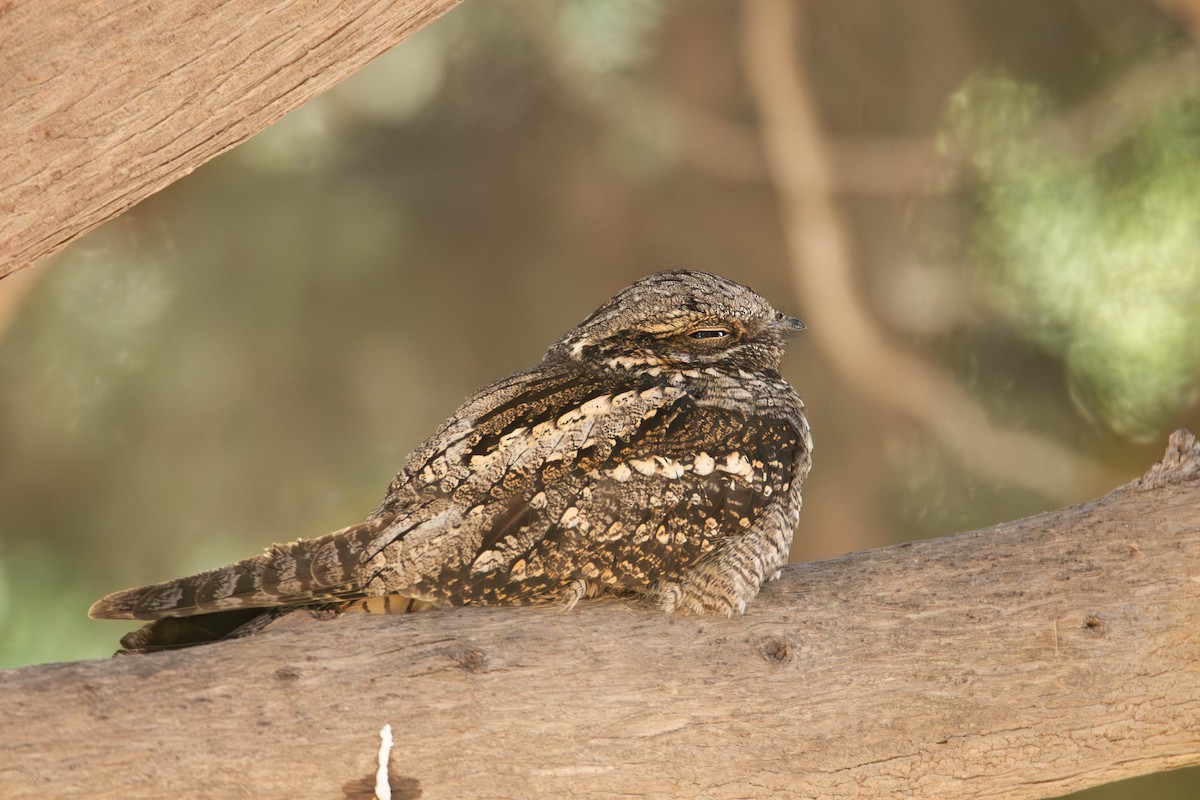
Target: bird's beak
{"type": "Point", "coordinates": [789, 324]}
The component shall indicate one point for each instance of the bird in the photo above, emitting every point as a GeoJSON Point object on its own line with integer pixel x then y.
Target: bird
{"type": "Point", "coordinates": [654, 452]}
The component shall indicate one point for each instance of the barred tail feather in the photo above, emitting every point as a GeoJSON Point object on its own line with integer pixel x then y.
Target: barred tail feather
{"type": "Point", "coordinates": [303, 572]}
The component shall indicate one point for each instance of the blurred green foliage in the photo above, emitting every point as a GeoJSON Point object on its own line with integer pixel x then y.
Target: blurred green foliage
{"type": "Point", "coordinates": [605, 36]}
{"type": "Point", "coordinates": [1094, 256]}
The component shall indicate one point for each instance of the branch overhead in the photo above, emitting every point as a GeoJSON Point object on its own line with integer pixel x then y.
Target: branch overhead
{"type": "Point", "coordinates": [104, 104]}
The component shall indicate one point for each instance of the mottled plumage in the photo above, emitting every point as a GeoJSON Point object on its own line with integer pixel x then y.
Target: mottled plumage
{"type": "Point", "coordinates": [655, 450]}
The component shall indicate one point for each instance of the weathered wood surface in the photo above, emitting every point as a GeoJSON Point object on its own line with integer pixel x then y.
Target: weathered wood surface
{"type": "Point", "coordinates": [103, 104]}
{"type": "Point", "coordinates": [1026, 660]}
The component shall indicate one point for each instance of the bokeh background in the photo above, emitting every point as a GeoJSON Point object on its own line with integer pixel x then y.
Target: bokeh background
{"type": "Point", "coordinates": [247, 356]}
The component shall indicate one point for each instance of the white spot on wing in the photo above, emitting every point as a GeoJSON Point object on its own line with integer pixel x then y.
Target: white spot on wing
{"type": "Point", "coordinates": [487, 561]}
{"type": "Point", "coordinates": [614, 532]}
{"type": "Point", "coordinates": [643, 465]}
{"type": "Point", "coordinates": [737, 464]}
{"type": "Point", "coordinates": [597, 405]}
{"type": "Point", "coordinates": [670, 469]}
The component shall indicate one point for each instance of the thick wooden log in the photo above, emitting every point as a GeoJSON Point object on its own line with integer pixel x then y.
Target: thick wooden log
{"type": "Point", "coordinates": [103, 104]}
{"type": "Point", "coordinates": [1022, 661]}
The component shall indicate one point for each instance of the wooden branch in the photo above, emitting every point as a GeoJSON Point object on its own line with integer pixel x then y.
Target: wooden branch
{"type": "Point", "coordinates": [1026, 660]}
{"type": "Point", "coordinates": [103, 104]}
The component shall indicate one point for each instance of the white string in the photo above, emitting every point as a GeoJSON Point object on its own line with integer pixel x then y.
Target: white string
{"type": "Point", "coordinates": [383, 787]}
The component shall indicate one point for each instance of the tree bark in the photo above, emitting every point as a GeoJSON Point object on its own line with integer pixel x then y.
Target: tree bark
{"type": "Point", "coordinates": [103, 104]}
{"type": "Point", "coordinates": [1026, 660]}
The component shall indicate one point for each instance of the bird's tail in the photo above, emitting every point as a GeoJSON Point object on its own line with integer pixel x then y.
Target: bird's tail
{"type": "Point", "coordinates": [238, 598]}
{"type": "Point", "coordinates": [303, 572]}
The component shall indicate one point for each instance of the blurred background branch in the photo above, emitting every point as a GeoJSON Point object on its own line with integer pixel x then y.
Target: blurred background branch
{"type": "Point", "coordinates": [16, 290]}
{"type": "Point", "coordinates": [822, 262]}
{"type": "Point", "coordinates": [1186, 12]}
{"type": "Point", "coordinates": [713, 144]}
{"type": "Point", "coordinates": [1100, 122]}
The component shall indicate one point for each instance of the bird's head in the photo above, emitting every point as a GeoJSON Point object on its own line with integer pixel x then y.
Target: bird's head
{"type": "Point", "coordinates": [680, 320]}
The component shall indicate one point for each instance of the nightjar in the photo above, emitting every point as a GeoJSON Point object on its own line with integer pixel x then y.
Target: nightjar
{"type": "Point", "coordinates": [655, 451]}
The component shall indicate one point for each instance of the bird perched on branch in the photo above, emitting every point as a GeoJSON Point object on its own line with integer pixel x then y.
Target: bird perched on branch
{"type": "Point", "coordinates": [655, 451]}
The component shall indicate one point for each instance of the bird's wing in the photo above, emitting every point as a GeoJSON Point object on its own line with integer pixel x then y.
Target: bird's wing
{"type": "Point", "coordinates": [626, 488]}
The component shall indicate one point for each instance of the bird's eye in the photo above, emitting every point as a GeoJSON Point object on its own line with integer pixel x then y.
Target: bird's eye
{"type": "Point", "coordinates": [709, 333]}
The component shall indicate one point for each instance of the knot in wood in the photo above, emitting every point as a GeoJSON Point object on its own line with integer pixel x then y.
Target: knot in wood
{"type": "Point", "coordinates": [469, 657]}
{"type": "Point", "coordinates": [777, 649]}
{"type": "Point", "coordinates": [287, 674]}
